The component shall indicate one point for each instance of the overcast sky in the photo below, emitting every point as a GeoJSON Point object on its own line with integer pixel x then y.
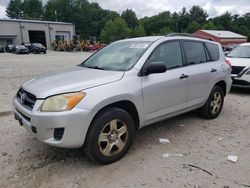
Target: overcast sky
{"type": "Point", "coordinates": [152, 7]}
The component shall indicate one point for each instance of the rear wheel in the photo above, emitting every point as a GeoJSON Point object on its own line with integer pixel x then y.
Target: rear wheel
{"type": "Point", "coordinates": [110, 136]}
{"type": "Point", "coordinates": [214, 104]}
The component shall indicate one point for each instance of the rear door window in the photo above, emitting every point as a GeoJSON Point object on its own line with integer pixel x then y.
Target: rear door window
{"type": "Point", "coordinates": [213, 50]}
{"type": "Point", "coordinates": [194, 52]}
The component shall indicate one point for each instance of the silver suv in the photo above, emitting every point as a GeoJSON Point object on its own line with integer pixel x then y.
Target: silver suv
{"type": "Point", "coordinates": [129, 84]}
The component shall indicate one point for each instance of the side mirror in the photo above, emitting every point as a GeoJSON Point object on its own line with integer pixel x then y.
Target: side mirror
{"type": "Point", "coordinates": [155, 67]}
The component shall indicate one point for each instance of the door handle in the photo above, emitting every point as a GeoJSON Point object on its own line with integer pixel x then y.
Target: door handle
{"type": "Point", "coordinates": [213, 70]}
{"type": "Point", "coordinates": [183, 76]}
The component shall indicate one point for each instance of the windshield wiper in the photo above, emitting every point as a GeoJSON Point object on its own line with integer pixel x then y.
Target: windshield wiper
{"type": "Point", "coordinates": [94, 67]}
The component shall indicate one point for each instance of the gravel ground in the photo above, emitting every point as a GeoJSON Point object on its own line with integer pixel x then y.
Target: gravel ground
{"type": "Point", "coordinates": [198, 148]}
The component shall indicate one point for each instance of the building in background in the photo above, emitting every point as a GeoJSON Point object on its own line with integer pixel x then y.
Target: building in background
{"type": "Point", "coordinates": [15, 31]}
{"type": "Point", "coordinates": [223, 37]}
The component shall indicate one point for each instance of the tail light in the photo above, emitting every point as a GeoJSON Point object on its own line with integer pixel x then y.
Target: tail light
{"type": "Point", "coordinates": [228, 62]}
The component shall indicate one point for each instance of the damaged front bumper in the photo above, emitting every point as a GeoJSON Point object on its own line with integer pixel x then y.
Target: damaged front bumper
{"type": "Point", "coordinates": [243, 78]}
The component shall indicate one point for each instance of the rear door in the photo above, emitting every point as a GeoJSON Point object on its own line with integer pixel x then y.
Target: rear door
{"type": "Point", "coordinates": [202, 69]}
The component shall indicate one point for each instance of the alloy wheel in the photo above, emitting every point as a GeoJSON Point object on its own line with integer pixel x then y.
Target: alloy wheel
{"type": "Point", "coordinates": [113, 137]}
{"type": "Point", "coordinates": [216, 103]}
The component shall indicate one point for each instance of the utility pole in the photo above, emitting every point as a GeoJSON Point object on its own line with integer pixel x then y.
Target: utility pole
{"type": "Point", "coordinates": [56, 15]}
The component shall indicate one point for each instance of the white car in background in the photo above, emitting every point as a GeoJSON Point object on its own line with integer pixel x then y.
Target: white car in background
{"type": "Point", "coordinates": [240, 60]}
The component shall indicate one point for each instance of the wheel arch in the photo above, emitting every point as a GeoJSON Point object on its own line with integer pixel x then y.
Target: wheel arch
{"type": "Point", "coordinates": [223, 86]}
{"type": "Point", "coordinates": [126, 105]}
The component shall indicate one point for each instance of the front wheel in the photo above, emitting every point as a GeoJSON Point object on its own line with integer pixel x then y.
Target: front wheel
{"type": "Point", "coordinates": [110, 136]}
{"type": "Point", "coordinates": [214, 104]}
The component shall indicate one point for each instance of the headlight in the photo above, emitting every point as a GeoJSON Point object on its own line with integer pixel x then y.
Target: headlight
{"type": "Point", "coordinates": [62, 102]}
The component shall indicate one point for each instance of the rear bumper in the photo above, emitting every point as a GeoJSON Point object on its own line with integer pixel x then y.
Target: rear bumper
{"type": "Point", "coordinates": [42, 125]}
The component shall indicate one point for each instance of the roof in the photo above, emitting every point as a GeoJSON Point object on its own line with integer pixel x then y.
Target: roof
{"type": "Point", "coordinates": [35, 21]}
{"type": "Point", "coordinates": [172, 37]}
{"type": "Point", "coordinates": [223, 34]}
{"type": "Point", "coordinates": [145, 39]}
{"type": "Point", "coordinates": [7, 36]}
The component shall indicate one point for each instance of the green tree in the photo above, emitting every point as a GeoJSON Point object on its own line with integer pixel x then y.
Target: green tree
{"type": "Point", "coordinates": [192, 27]}
{"type": "Point", "coordinates": [198, 15]}
{"type": "Point", "coordinates": [183, 19]}
{"type": "Point", "coordinates": [138, 32]}
{"type": "Point", "coordinates": [14, 9]}
{"type": "Point", "coordinates": [154, 24]}
{"type": "Point", "coordinates": [165, 31]}
{"type": "Point", "coordinates": [89, 18]}
{"type": "Point", "coordinates": [32, 9]}
{"type": "Point", "coordinates": [224, 22]}
{"type": "Point", "coordinates": [115, 30]}
{"type": "Point", "coordinates": [130, 17]}
{"type": "Point", "coordinates": [209, 25]}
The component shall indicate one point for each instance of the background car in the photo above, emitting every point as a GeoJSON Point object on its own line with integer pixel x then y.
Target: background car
{"type": "Point", "coordinates": [37, 48]}
{"type": "Point", "coordinates": [28, 45]}
{"type": "Point", "coordinates": [10, 48]}
{"type": "Point", "coordinates": [1, 49]}
{"type": "Point", "coordinates": [240, 60]}
{"type": "Point", "coordinates": [21, 49]}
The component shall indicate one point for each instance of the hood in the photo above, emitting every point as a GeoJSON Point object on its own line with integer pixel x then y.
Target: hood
{"type": "Point", "coordinates": [243, 62]}
{"type": "Point", "coordinates": [69, 80]}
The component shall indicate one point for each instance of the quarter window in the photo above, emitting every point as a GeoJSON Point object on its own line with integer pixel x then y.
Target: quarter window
{"type": "Point", "coordinates": [195, 52]}
{"type": "Point", "coordinates": [213, 50]}
{"type": "Point", "coordinates": [169, 53]}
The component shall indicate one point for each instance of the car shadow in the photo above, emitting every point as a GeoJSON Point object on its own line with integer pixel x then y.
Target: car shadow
{"type": "Point", "coordinates": [240, 90]}
{"type": "Point", "coordinates": [146, 137]}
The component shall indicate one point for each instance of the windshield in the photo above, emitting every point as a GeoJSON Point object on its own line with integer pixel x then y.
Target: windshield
{"type": "Point", "coordinates": [118, 56]}
{"type": "Point", "coordinates": [240, 52]}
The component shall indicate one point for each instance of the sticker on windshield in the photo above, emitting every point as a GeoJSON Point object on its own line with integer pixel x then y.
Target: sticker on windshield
{"type": "Point", "coordinates": [139, 46]}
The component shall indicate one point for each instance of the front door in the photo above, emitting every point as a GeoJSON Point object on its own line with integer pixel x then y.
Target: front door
{"type": "Point", "coordinates": [165, 93]}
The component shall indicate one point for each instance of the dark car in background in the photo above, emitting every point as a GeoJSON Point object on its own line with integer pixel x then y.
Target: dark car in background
{"type": "Point", "coordinates": [21, 49]}
{"type": "Point", "coordinates": [27, 45]}
{"type": "Point", "coordinates": [10, 48]}
{"type": "Point", "coordinates": [1, 49]}
{"type": "Point", "coordinates": [37, 48]}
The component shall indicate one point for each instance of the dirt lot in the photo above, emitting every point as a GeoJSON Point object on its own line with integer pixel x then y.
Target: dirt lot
{"type": "Point", "coordinates": [24, 162]}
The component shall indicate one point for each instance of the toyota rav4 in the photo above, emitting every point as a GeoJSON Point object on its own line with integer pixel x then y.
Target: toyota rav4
{"type": "Point", "coordinates": [129, 84]}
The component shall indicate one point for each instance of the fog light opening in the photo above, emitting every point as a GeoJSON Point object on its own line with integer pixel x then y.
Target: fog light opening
{"type": "Point", "coordinates": [58, 133]}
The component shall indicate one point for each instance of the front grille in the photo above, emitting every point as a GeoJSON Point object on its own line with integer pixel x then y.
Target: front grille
{"type": "Point", "coordinates": [26, 99]}
{"type": "Point", "coordinates": [237, 69]}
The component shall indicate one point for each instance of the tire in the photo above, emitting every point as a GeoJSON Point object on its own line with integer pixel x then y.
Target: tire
{"type": "Point", "coordinates": [44, 52]}
{"type": "Point", "coordinates": [214, 104]}
{"type": "Point", "coordinates": [107, 151]}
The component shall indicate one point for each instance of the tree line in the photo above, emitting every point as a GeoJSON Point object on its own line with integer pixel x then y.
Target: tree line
{"type": "Point", "coordinates": [91, 20]}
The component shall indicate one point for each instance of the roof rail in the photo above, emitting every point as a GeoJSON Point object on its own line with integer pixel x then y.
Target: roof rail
{"type": "Point", "coordinates": [189, 35]}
